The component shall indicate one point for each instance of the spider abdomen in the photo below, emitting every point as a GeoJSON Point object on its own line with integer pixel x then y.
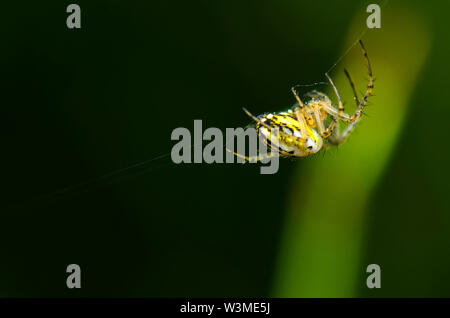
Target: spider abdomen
{"type": "Point", "coordinates": [290, 142]}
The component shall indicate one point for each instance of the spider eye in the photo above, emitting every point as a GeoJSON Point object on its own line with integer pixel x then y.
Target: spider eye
{"type": "Point", "coordinates": [309, 147]}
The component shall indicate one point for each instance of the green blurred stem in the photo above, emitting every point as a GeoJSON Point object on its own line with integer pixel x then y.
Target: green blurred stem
{"type": "Point", "coordinates": [325, 229]}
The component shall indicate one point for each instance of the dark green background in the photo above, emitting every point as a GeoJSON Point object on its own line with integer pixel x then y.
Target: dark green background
{"type": "Point", "coordinates": [78, 104]}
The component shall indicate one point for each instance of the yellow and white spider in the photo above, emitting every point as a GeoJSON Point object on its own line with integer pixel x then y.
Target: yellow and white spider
{"type": "Point", "coordinates": [306, 128]}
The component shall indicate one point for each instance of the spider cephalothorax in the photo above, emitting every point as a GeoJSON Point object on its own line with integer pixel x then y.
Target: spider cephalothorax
{"type": "Point", "coordinates": [306, 128]}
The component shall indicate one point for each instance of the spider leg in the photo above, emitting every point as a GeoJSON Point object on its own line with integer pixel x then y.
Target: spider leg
{"type": "Point", "coordinates": [340, 105]}
{"type": "Point", "coordinates": [326, 103]}
{"type": "Point", "coordinates": [329, 108]}
{"type": "Point", "coordinates": [369, 89]}
{"type": "Point", "coordinates": [300, 117]}
{"type": "Point", "coordinates": [335, 112]}
{"type": "Point", "coordinates": [300, 103]}
{"type": "Point", "coordinates": [255, 158]}
{"type": "Point", "coordinates": [331, 129]}
{"type": "Point", "coordinates": [302, 123]}
{"type": "Point", "coordinates": [336, 140]}
{"type": "Point", "coordinates": [355, 95]}
{"type": "Point", "coordinates": [256, 119]}
{"type": "Point", "coordinates": [324, 133]}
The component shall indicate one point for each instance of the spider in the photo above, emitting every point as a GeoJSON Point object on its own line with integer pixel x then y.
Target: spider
{"type": "Point", "coordinates": [302, 130]}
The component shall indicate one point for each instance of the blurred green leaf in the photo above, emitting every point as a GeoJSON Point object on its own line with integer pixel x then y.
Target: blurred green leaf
{"type": "Point", "coordinates": [321, 249]}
